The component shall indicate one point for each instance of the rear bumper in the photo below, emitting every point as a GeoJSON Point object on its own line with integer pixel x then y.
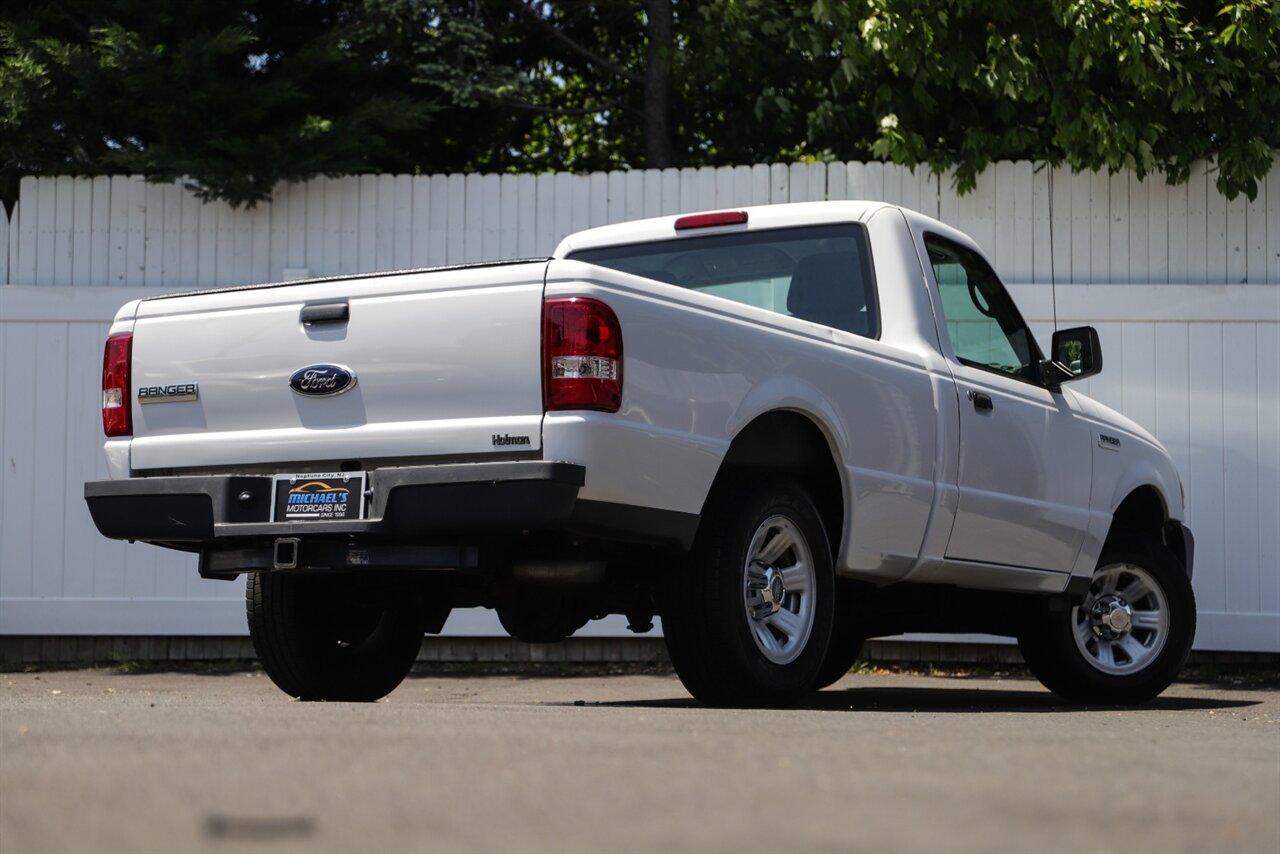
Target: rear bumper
{"type": "Point", "coordinates": [411, 504]}
{"type": "Point", "coordinates": [402, 503]}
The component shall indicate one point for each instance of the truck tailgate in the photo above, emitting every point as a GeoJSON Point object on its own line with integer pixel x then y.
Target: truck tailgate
{"type": "Point", "coordinates": [446, 363]}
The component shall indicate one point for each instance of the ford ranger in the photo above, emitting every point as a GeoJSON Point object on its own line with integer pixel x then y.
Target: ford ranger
{"type": "Point", "coordinates": [783, 430]}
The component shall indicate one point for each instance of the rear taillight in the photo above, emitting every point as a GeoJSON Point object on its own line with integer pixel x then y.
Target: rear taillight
{"type": "Point", "coordinates": [116, 418]}
{"type": "Point", "coordinates": [581, 355]}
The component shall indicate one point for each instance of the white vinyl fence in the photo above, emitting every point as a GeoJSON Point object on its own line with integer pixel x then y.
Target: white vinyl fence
{"type": "Point", "coordinates": [1183, 286]}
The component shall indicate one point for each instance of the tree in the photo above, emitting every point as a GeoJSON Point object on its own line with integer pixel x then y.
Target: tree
{"type": "Point", "coordinates": [1144, 85]}
{"type": "Point", "coordinates": [658, 83]}
{"type": "Point", "coordinates": [237, 96]}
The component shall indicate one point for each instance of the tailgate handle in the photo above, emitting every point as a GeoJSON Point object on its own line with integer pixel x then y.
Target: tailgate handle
{"type": "Point", "coordinates": [326, 312]}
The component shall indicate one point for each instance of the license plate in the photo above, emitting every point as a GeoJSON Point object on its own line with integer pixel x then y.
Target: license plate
{"type": "Point", "coordinates": [319, 497]}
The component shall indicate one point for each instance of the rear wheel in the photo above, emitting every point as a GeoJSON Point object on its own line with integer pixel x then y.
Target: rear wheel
{"type": "Point", "coordinates": [748, 618]}
{"type": "Point", "coordinates": [1129, 638]}
{"type": "Point", "coordinates": [332, 637]}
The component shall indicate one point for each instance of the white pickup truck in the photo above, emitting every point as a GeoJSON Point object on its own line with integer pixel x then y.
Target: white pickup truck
{"type": "Point", "coordinates": [781, 429]}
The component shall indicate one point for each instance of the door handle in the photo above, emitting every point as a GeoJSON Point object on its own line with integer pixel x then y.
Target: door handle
{"type": "Point", "coordinates": [981, 401]}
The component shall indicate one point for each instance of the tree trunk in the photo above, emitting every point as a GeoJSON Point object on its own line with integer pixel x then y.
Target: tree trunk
{"type": "Point", "coordinates": [657, 85]}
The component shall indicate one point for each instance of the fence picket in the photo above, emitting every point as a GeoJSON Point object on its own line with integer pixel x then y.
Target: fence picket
{"type": "Point", "coordinates": [527, 199]}
{"type": "Point", "coordinates": [438, 230]}
{"type": "Point", "coordinates": [153, 236]}
{"type": "Point", "coordinates": [837, 180]}
{"type": "Point", "coordinates": [1159, 234]}
{"type": "Point", "coordinates": [4, 245]}
{"type": "Point", "coordinates": [670, 191]}
{"type": "Point", "coordinates": [1043, 241]}
{"type": "Point", "coordinates": [779, 187]}
{"type": "Point", "coordinates": [473, 218]}
{"type": "Point", "coordinates": [81, 224]}
{"type": "Point", "coordinates": [1273, 222]}
{"type": "Point", "coordinates": [420, 215]}
{"type": "Point", "coordinates": [634, 207]}
{"type": "Point", "coordinates": [1256, 237]}
{"type": "Point", "coordinates": [1117, 225]}
{"type": "Point", "coordinates": [1177, 233]}
{"type": "Point", "coordinates": [598, 199]}
{"type": "Point", "coordinates": [760, 185]}
{"type": "Point", "coordinates": [725, 186]}
{"type": "Point", "coordinates": [47, 230]}
{"type": "Point", "coordinates": [705, 191]}
{"type": "Point", "coordinates": [508, 217]}
{"type": "Point", "coordinates": [1197, 263]}
{"type": "Point", "coordinates": [858, 183]}
{"type": "Point", "coordinates": [1081, 269]}
{"type": "Point", "coordinates": [651, 181]}
{"type": "Point", "coordinates": [1237, 240]}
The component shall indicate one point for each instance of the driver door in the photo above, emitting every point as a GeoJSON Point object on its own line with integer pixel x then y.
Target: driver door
{"type": "Point", "coordinates": [1025, 465]}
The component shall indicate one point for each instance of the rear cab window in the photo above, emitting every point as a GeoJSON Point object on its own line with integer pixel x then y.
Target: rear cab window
{"type": "Point", "coordinates": [819, 273]}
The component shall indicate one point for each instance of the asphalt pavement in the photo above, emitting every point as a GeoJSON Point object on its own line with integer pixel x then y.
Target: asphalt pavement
{"type": "Point", "coordinates": [96, 760]}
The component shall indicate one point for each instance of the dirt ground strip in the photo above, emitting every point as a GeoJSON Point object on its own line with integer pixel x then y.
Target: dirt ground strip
{"type": "Point", "coordinates": [105, 760]}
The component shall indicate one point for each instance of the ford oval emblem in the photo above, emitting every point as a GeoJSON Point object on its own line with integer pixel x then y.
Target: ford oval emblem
{"type": "Point", "coordinates": [322, 380]}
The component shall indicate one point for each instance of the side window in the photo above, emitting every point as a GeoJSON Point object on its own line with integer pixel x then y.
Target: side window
{"type": "Point", "coordinates": [986, 329]}
{"type": "Point", "coordinates": [820, 273]}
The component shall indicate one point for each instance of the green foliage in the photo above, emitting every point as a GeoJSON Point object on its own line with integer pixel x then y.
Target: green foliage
{"type": "Point", "coordinates": [1145, 85]}
{"type": "Point", "coordinates": [752, 75]}
{"type": "Point", "coordinates": [742, 85]}
{"type": "Point", "coordinates": [237, 96]}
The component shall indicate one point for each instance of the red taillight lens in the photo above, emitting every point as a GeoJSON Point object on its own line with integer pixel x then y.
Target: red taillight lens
{"type": "Point", "coordinates": [707, 220]}
{"type": "Point", "coordinates": [116, 417]}
{"type": "Point", "coordinates": [582, 355]}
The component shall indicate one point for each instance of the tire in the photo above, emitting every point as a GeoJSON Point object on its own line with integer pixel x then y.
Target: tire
{"type": "Point", "coordinates": [1126, 643]}
{"type": "Point", "coordinates": [324, 637]}
{"type": "Point", "coordinates": [760, 552]}
{"type": "Point", "coordinates": [842, 652]}
{"type": "Point", "coordinates": [541, 616]}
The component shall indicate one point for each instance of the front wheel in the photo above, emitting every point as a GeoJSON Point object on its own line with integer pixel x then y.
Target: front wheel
{"type": "Point", "coordinates": [332, 637]}
{"type": "Point", "coordinates": [845, 648]}
{"type": "Point", "coordinates": [748, 618]}
{"type": "Point", "coordinates": [1129, 638]}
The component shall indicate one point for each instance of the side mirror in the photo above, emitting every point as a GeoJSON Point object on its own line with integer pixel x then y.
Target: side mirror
{"type": "Point", "coordinates": [1075, 354]}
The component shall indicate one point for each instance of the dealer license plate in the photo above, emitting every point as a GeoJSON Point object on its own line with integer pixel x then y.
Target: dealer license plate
{"type": "Point", "coordinates": [319, 497]}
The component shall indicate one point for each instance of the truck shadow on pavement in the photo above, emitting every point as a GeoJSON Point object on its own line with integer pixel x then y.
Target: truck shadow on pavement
{"type": "Point", "coordinates": [988, 700]}
{"type": "Point", "coordinates": [963, 700]}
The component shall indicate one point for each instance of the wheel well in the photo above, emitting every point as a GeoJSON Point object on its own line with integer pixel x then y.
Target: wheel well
{"type": "Point", "coordinates": [1142, 512]}
{"type": "Point", "coordinates": [790, 442]}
